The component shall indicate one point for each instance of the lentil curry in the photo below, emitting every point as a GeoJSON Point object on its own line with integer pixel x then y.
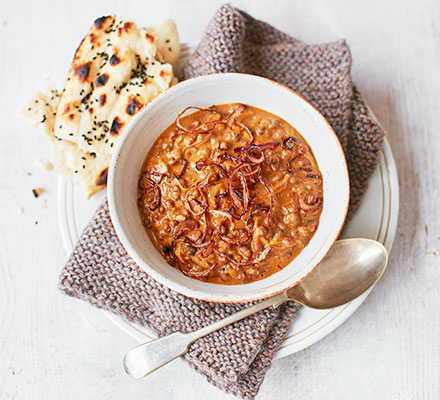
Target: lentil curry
{"type": "Point", "coordinates": [230, 194]}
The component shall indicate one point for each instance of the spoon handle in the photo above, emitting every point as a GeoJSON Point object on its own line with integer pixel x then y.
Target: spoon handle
{"type": "Point", "coordinates": [148, 357]}
{"type": "Point", "coordinates": [274, 301]}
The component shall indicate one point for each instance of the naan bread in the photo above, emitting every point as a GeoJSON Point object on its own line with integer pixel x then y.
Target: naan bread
{"type": "Point", "coordinates": [66, 155]}
{"type": "Point", "coordinates": [116, 70]}
{"type": "Point", "coordinates": [167, 42]}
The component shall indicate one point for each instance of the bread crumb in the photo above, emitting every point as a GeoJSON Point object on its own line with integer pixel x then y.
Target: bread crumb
{"type": "Point", "coordinates": [37, 191]}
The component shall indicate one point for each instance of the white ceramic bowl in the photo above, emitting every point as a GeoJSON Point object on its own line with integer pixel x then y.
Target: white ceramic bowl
{"type": "Point", "coordinates": [205, 91]}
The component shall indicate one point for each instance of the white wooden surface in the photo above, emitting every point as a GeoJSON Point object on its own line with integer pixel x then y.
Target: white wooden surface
{"type": "Point", "coordinates": [54, 347]}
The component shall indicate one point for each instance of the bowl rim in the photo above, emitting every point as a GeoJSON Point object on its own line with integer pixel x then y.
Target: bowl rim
{"type": "Point", "coordinates": [171, 284]}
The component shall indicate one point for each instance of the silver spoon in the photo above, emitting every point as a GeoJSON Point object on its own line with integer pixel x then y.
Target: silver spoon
{"type": "Point", "coordinates": [351, 267]}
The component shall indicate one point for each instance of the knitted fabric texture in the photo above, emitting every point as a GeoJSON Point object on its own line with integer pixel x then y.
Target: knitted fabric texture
{"type": "Point", "coordinates": [235, 42]}
{"type": "Point", "coordinates": [100, 271]}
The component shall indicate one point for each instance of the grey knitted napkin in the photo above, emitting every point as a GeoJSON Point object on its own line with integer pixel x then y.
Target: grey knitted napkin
{"type": "Point", "coordinates": [100, 271]}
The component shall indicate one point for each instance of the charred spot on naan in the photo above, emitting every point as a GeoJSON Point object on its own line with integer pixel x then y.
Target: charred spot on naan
{"type": "Point", "coordinates": [125, 28]}
{"type": "Point", "coordinates": [102, 178]}
{"type": "Point", "coordinates": [114, 59]}
{"type": "Point", "coordinates": [99, 22]}
{"type": "Point", "coordinates": [150, 37]}
{"type": "Point", "coordinates": [101, 80]}
{"type": "Point", "coordinates": [82, 71]}
{"type": "Point", "coordinates": [133, 106]}
{"type": "Point", "coordinates": [117, 124]}
{"type": "Point", "coordinates": [164, 74]}
{"type": "Point", "coordinates": [102, 99]}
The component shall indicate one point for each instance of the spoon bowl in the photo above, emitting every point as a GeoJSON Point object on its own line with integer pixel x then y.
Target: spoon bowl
{"type": "Point", "coordinates": [351, 267]}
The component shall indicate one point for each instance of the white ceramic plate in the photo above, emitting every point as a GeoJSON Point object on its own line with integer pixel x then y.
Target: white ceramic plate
{"type": "Point", "coordinates": [375, 219]}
